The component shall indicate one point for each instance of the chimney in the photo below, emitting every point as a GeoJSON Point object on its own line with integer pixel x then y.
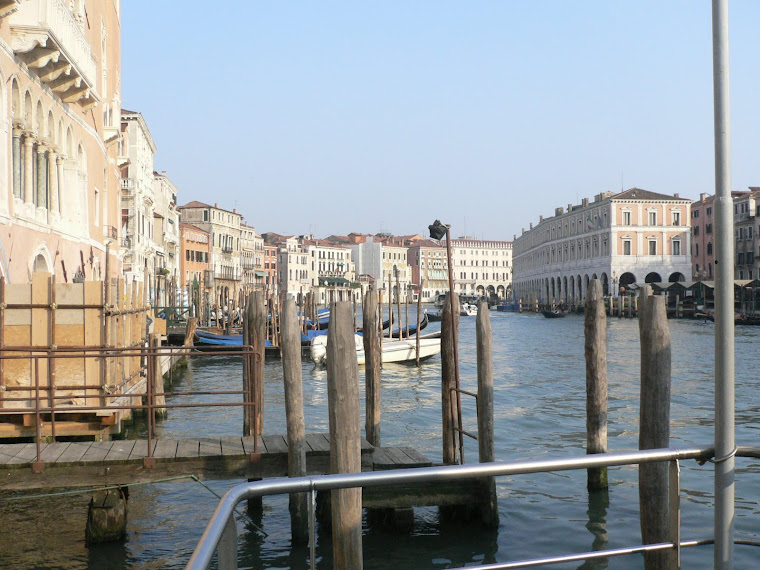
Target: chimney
{"type": "Point", "coordinates": [559, 211]}
{"type": "Point", "coordinates": [676, 195]}
{"type": "Point", "coordinates": [216, 205]}
{"type": "Point", "coordinates": [531, 227]}
{"type": "Point", "coordinates": [702, 197]}
{"type": "Point", "coordinates": [584, 202]}
{"type": "Point", "coordinates": [234, 210]}
{"type": "Point", "coordinates": [569, 208]}
{"type": "Point", "coordinates": [540, 219]}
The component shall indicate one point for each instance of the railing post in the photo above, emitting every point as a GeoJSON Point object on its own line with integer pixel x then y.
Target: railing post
{"type": "Point", "coordinates": [675, 514]}
{"type": "Point", "coordinates": [484, 342]}
{"type": "Point", "coordinates": [227, 549]}
{"type": "Point", "coordinates": [37, 465]}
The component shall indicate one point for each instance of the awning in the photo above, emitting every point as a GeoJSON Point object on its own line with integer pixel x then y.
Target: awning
{"type": "Point", "coordinates": [260, 273]}
{"type": "Point", "coordinates": [333, 281]}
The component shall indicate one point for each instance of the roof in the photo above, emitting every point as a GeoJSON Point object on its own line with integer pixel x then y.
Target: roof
{"type": "Point", "coordinates": [195, 204]}
{"type": "Point", "coordinates": [640, 194]}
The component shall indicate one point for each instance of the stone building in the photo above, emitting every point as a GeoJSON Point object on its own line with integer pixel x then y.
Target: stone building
{"type": "Point", "coordinates": [224, 229]}
{"type": "Point", "coordinates": [60, 94]}
{"type": "Point", "coordinates": [136, 153]}
{"type": "Point", "coordinates": [166, 238]}
{"type": "Point", "coordinates": [745, 233]}
{"type": "Point", "coordinates": [251, 258]}
{"type": "Point", "coordinates": [332, 274]}
{"type": "Point", "coordinates": [482, 268]}
{"type": "Point", "coordinates": [702, 238]}
{"type": "Point", "coordinates": [429, 265]}
{"type": "Point", "coordinates": [634, 236]}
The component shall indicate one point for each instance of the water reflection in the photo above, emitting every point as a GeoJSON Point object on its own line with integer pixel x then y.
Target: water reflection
{"type": "Point", "coordinates": [539, 403]}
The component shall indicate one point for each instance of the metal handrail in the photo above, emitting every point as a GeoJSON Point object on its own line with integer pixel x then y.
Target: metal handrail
{"type": "Point", "coordinates": [220, 533]}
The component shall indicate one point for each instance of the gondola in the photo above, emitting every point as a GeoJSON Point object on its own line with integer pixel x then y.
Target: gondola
{"type": "Point", "coordinates": [553, 314]}
{"type": "Point", "coordinates": [409, 331]}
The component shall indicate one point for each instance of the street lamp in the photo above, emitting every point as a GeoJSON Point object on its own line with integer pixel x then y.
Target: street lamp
{"type": "Point", "coordinates": [437, 231]}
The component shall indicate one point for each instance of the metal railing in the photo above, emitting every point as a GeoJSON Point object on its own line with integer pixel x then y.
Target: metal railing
{"type": "Point", "coordinates": [220, 534]}
{"type": "Point", "coordinates": [45, 406]}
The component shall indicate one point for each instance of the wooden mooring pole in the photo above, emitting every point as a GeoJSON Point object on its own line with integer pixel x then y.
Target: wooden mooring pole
{"type": "Point", "coordinates": [345, 436]}
{"type": "Point", "coordinates": [371, 367]}
{"type": "Point", "coordinates": [449, 326]}
{"type": "Point", "coordinates": [595, 329]}
{"type": "Point", "coordinates": [293, 382]}
{"type": "Point", "coordinates": [654, 426]}
{"type": "Point", "coordinates": [484, 339]}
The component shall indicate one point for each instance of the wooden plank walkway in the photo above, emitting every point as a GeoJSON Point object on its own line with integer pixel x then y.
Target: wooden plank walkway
{"type": "Point", "coordinates": [85, 464]}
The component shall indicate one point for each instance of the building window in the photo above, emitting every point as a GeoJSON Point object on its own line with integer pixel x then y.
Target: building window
{"type": "Point", "coordinates": [709, 251]}
{"type": "Point", "coordinates": [652, 247]}
{"type": "Point", "coordinates": [676, 218]}
{"type": "Point", "coordinates": [709, 213]}
{"type": "Point", "coordinates": [708, 229]}
{"type": "Point", "coordinates": [676, 247]}
{"type": "Point", "coordinates": [652, 218]}
{"type": "Point", "coordinates": [626, 218]}
{"type": "Point", "coordinates": [696, 230]}
{"type": "Point", "coordinates": [626, 247]}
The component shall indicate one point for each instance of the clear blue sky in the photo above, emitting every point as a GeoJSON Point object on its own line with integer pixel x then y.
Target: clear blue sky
{"type": "Point", "coordinates": [331, 117]}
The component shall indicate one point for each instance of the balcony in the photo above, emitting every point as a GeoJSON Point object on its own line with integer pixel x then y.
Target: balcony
{"type": "Point", "coordinates": [8, 7]}
{"type": "Point", "coordinates": [226, 249]}
{"type": "Point", "coordinates": [48, 38]}
{"type": "Point", "coordinates": [126, 184]}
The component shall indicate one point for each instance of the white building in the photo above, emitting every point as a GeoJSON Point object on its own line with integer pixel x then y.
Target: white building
{"type": "Point", "coordinates": [631, 237]}
{"type": "Point", "coordinates": [332, 273]}
{"type": "Point", "coordinates": [166, 237]}
{"type": "Point", "coordinates": [482, 267]}
{"type": "Point", "coordinates": [138, 203]}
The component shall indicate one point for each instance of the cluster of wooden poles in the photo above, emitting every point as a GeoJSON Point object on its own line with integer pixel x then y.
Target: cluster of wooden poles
{"type": "Point", "coordinates": [344, 406]}
{"type": "Point", "coordinates": [654, 418]}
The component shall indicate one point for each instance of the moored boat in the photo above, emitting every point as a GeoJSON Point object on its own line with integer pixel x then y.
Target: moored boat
{"type": "Point", "coordinates": [468, 310]}
{"type": "Point", "coordinates": [553, 314]}
{"type": "Point", "coordinates": [392, 350]}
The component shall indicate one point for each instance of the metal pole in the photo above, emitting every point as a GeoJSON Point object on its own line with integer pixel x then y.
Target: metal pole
{"type": "Point", "coordinates": [725, 444]}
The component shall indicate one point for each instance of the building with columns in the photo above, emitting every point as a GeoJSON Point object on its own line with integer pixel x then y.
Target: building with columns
{"type": "Point", "coordinates": [482, 268]}
{"type": "Point", "coordinates": [331, 271]}
{"type": "Point", "coordinates": [60, 85]}
{"type": "Point", "coordinates": [634, 236]}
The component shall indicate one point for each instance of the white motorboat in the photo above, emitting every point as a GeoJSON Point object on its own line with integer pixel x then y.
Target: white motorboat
{"type": "Point", "coordinates": [392, 350]}
{"type": "Point", "coordinates": [468, 310]}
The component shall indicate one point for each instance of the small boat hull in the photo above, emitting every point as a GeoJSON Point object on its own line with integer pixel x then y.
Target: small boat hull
{"type": "Point", "coordinates": [392, 350]}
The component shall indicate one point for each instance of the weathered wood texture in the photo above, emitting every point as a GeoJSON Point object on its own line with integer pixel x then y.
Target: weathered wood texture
{"type": "Point", "coordinates": [82, 464]}
{"type": "Point", "coordinates": [484, 339]}
{"type": "Point", "coordinates": [371, 342]}
{"type": "Point", "coordinates": [258, 337]}
{"type": "Point", "coordinates": [294, 413]}
{"type": "Point", "coordinates": [595, 330]}
{"type": "Point", "coordinates": [654, 425]}
{"type": "Point", "coordinates": [345, 438]}
{"type": "Point", "coordinates": [449, 323]}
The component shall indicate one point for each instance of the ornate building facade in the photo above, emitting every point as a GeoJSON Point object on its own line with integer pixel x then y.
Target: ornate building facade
{"type": "Point", "coordinates": [60, 91]}
{"type": "Point", "coordinates": [631, 237]}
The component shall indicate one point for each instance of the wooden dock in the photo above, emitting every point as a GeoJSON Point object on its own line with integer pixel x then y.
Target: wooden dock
{"type": "Point", "coordinates": [94, 464]}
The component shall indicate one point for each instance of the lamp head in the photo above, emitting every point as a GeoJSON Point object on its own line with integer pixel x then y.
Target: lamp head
{"type": "Point", "coordinates": [437, 230]}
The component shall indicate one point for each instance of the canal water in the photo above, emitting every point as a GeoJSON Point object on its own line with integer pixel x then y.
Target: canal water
{"type": "Point", "coordinates": [539, 414]}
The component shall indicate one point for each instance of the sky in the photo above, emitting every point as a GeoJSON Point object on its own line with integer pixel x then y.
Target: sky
{"type": "Point", "coordinates": [335, 117]}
